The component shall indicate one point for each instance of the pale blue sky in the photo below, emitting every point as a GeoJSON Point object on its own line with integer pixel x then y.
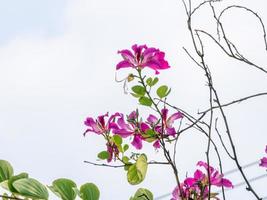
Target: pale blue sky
{"type": "Point", "coordinates": [57, 66]}
{"type": "Point", "coordinates": [43, 17]}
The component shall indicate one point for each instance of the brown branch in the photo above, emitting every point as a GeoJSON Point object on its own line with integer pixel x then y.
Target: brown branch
{"type": "Point", "coordinates": [119, 166]}
{"type": "Point", "coordinates": [236, 101]}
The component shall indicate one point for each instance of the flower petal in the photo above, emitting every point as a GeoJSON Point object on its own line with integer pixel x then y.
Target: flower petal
{"type": "Point", "coordinates": [124, 64]}
{"type": "Point", "coordinates": [152, 119]}
{"type": "Point", "coordinates": [144, 127]}
{"type": "Point", "coordinates": [137, 141]}
{"type": "Point", "coordinates": [227, 183]}
{"type": "Point", "coordinates": [171, 131]}
{"type": "Point", "coordinates": [156, 144]}
{"type": "Point", "coordinates": [174, 117]}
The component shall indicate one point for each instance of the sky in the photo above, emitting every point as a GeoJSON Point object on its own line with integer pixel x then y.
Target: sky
{"type": "Point", "coordinates": [57, 67]}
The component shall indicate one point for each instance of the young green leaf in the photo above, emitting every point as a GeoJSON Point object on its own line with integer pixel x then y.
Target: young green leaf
{"type": "Point", "coordinates": [89, 191]}
{"type": "Point", "coordinates": [137, 172]}
{"type": "Point", "coordinates": [125, 159]}
{"type": "Point", "coordinates": [162, 91]}
{"type": "Point", "coordinates": [139, 90]}
{"type": "Point", "coordinates": [145, 101]}
{"type": "Point", "coordinates": [6, 170]}
{"type": "Point", "coordinates": [143, 194]}
{"type": "Point", "coordinates": [125, 147]}
{"type": "Point", "coordinates": [103, 155]}
{"type": "Point", "coordinates": [149, 81]}
{"type": "Point", "coordinates": [64, 188]}
{"type": "Point", "coordinates": [117, 139]}
{"type": "Point", "coordinates": [31, 188]}
{"type": "Point", "coordinates": [154, 82]}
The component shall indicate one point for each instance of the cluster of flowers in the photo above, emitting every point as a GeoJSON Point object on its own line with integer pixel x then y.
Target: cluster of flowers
{"type": "Point", "coordinates": [197, 187]}
{"type": "Point", "coordinates": [263, 162]}
{"type": "Point", "coordinates": [152, 130]}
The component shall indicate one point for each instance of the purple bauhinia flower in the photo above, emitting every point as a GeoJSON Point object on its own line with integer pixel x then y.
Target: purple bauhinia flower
{"type": "Point", "coordinates": [100, 126]}
{"type": "Point", "coordinates": [141, 57]}
{"type": "Point", "coordinates": [263, 161]}
{"type": "Point", "coordinates": [167, 121]}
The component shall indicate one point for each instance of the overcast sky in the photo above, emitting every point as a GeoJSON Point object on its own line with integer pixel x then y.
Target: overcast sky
{"type": "Point", "coordinates": [57, 66]}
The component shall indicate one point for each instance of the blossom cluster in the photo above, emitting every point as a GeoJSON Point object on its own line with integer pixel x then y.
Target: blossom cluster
{"type": "Point", "coordinates": [151, 130]}
{"type": "Point", "coordinates": [263, 162]}
{"type": "Point", "coordinates": [197, 187]}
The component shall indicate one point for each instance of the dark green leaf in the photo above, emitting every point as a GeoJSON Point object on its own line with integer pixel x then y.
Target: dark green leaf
{"type": "Point", "coordinates": [138, 89]}
{"type": "Point", "coordinates": [6, 170]}
{"type": "Point", "coordinates": [137, 172]}
{"type": "Point", "coordinates": [89, 191]}
{"type": "Point", "coordinates": [13, 179]}
{"type": "Point", "coordinates": [145, 101]}
{"type": "Point", "coordinates": [162, 91]}
{"type": "Point", "coordinates": [64, 188]}
{"type": "Point", "coordinates": [103, 155]}
{"type": "Point", "coordinates": [31, 188]}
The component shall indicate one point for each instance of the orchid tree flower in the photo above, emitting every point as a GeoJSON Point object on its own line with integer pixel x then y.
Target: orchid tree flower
{"type": "Point", "coordinates": [263, 161]}
{"type": "Point", "coordinates": [99, 125]}
{"type": "Point", "coordinates": [133, 128]}
{"type": "Point", "coordinates": [141, 57]}
{"type": "Point", "coordinates": [167, 122]}
{"type": "Point", "coordinates": [196, 187]}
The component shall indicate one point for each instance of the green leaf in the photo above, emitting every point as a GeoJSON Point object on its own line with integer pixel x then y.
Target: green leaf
{"type": "Point", "coordinates": [89, 191]}
{"type": "Point", "coordinates": [145, 101]}
{"type": "Point", "coordinates": [137, 172]}
{"type": "Point", "coordinates": [6, 170]}
{"type": "Point", "coordinates": [4, 185]}
{"type": "Point", "coordinates": [143, 194]}
{"type": "Point", "coordinates": [154, 82]}
{"type": "Point", "coordinates": [136, 95]}
{"type": "Point", "coordinates": [125, 159]}
{"type": "Point", "coordinates": [162, 91]}
{"type": "Point", "coordinates": [31, 188]}
{"type": "Point", "coordinates": [117, 139]}
{"type": "Point", "coordinates": [15, 178]}
{"type": "Point", "coordinates": [64, 188]}
{"type": "Point", "coordinates": [149, 81]}
{"type": "Point", "coordinates": [138, 89]}
{"type": "Point", "coordinates": [125, 147]}
{"type": "Point", "coordinates": [103, 155]}
{"type": "Point", "coordinates": [149, 135]}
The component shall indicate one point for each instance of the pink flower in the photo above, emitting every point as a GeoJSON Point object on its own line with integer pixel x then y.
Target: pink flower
{"type": "Point", "coordinates": [215, 177]}
{"type": "Point", "coordinates": [167, 121]}
{"type": "Point", "coordinates": [197, 187]}
{"type": "Point", "coordinates": [133, 128]}
{"type": "Point", "coordinates": [141, 57]}
{"type": "Point", "coordinates": [263, 162]}
{"type": "Point", "coordinates": [99, 126]}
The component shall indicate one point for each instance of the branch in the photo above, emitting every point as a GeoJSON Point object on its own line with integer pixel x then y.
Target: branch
{"type": "Point", "coordinates": [235, 101]}
{"type": "Point", "coordinates": [119, 166]}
